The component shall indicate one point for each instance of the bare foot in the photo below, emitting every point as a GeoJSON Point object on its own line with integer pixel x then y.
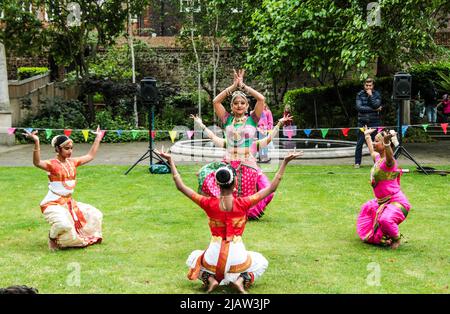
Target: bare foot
{"type": "Point", "coordinates": [239, 285]}
{"type": "Point", "coordinates": [213, 283]}
{"type": "Point", "coordinates": [395, 244]}
{"type": "Point", "coordinates": [52, 245]}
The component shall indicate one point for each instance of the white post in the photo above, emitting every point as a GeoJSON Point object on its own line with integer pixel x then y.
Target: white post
{"type": "Point", "coordinates": [5, 112]}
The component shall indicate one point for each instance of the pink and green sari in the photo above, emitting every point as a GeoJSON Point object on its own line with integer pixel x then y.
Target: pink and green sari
{"type": "Point", "coordinates": [379, 218]}
{"type": "Point", "coordinates": [250, 179]}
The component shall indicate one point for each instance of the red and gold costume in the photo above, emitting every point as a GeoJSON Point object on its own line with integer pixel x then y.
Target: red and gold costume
{"type": "Point", "coordinates": [73, 224]}
{"type": "Point", "coordinates": [226, 256]}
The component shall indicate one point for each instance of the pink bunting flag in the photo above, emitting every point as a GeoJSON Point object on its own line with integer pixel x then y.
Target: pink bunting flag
{"type": "Point", "coordinates": [67, 132]}
{"type": "Point", "coordinates": [189, 134]}
{"type": "Point", "coordinates": [153, 134]}
{"type": "Point", "coordinates": [379, 129]}
{"type": "Point", "coordinates": [444, 127]}
{"type": "Point", "coordinates": [289, 133]}
{"type": "Point", "coordinates": [103, 133]}
{"type": "Point", "coordinates": [11, 131]}
{"type": "Point", "coordinates": [345, 131]}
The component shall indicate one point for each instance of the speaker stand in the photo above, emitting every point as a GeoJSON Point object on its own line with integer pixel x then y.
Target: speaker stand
{"type": "Point", "coordinates": [400, 149]}
{"type": "Point", "coordinates": [150, 153]}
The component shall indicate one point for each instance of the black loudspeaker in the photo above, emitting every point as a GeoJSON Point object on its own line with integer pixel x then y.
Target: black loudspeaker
{"type": "Point", "coordinates": [149, 91]}
{"type": "Point", "coordinates": [402, 86]}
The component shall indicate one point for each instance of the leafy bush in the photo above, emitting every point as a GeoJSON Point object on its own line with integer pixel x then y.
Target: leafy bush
{"type": "Point", "coordinates": [27, 72]}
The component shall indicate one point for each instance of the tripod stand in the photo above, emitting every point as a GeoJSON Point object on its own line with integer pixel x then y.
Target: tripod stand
{"type": "Point", "coordinates": [400, 149]}
{"type": "Point", "coordinates": [150, 152]}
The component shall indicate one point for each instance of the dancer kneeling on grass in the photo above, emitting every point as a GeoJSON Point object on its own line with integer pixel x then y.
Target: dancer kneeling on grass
{"type": "Point", "coordinates": [72, 224]}
{"type": "Point", "coordinates": [226, 260]}
{"type": "Point", "coordinates": [379, 218]}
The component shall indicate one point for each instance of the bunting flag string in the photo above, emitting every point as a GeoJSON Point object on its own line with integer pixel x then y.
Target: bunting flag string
{"type": "Point", "coordinates": [173, 135]}
{"type": "Point", "coordinates": [404, 128]}
{"type": "Point", "coordinates": [85, 134]}
{"type": "Point", "coordinates": [289, 132]}
{"type": "Point", "coordinates": [307, 132]}
{"type": "Point", "coordinates": [67, 132]}
{"type": "Point", "coordinates": [48, 133]}
{"type": "Point", "coordinates": [345, 131]}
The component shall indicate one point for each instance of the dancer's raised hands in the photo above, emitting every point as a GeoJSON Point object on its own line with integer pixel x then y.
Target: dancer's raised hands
{"type": "Point", "coordinates": [31, 135]}
{"type": "Point", "coordinates": [292, 155]}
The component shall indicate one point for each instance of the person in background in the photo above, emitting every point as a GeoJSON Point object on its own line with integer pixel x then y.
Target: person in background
{"type": "Point", "coordinates": [265, 125]}
{"type": "Point", "coordinates": [368, 105]}
{"type": "Point", "coordinates": [445, 104]}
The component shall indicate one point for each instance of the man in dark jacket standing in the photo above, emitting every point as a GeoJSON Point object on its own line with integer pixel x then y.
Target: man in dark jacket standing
{"type": "Point", "coordinates": [368, 104]}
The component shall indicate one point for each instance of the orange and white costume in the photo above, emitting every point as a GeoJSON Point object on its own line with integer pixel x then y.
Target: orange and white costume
{"type": "Point", "coordinates": [73, 224]}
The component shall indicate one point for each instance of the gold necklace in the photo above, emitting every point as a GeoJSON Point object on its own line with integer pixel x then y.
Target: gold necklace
{"type": "Point", "coordinates": [70, 172]}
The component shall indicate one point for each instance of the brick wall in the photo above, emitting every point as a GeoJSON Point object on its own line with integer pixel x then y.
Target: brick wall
{"type": "Point", "coordinates": [13, 63]}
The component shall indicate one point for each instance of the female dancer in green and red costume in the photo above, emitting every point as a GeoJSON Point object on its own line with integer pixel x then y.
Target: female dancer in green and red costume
{"type": "Point", "coordinates": [241, 134]}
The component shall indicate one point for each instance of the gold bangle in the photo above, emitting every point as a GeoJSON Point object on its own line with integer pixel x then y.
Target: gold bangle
{"type": "Point", "coordinates": [36, 150]}
{"type": "Point", "coordinates": [176, 175]}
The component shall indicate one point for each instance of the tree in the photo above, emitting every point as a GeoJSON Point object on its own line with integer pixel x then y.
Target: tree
{"type": "Point", "coordinates": [328, 39]}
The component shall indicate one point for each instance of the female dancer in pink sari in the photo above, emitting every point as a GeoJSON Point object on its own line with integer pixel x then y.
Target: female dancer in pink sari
{"type": "Point", "coordinates": [379, 218]}
{"type": "Point", "coordinates": [241, 133]}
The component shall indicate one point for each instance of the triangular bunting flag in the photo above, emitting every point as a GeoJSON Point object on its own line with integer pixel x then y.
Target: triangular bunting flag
{"type": "Point", "coordinates": [425, 126]}
{"type": "Point", "coordinates": [11, 131]}
{"type": "Point", "coordinates": [189, 134]}
{"type": "Point", "coordinates": [361, 129]}
{"type": "Point", "coordinates": [103, 132]}
{"type": "Point", "coordinates": [173, 134]}
{"type": "Point", "coordinates": [379, 129]}
{"type": "Point", "coordinates": [119, 133]}
{"type": "Point", "coordinates": [444, 127]}
{"type": "Point", "coordinates": [29, 129]}
{"type": "Point", "coordinates": [85, 134]}
{"type": "Point", "coordinates": [48, 133]}
{"type": "Point", "coordinates": [404, 128]}
{"type": "Point", "coordinates": [67, 132]}
{"type": "Point", "coordinates": [289, 133]}
{"type": "Point", "coordinates": [307, 132]}
{"type": "Point", "coordinates": [134, 134]}
{"type": "Point", "coordinates": [153, 134]}
{"type": "Point", "coordinates": [324, 132]}
{"type": "Point", "coordinates": [345, 131]}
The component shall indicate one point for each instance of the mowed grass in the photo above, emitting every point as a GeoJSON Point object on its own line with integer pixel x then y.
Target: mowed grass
{"type": "Point", "coordinates": [307, 234]}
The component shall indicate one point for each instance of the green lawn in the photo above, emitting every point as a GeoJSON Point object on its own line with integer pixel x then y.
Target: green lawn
{"type": "Point", "coordinates": [308, 234]}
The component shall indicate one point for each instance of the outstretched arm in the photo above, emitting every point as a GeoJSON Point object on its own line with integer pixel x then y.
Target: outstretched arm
{"type": "Point", "coordinates": [266, 140]}
{"type": "Point", "coordinates": [220, 142]}
{"type": "Point", "coordinates": [369, 143]}
{"type": "Point", "coordinates": [37, 162]}
{"type": "Point", "coordinates": [93, 151]}
{"type": "Point", "coordinates": [276, 181]}
{"type": "Point", "coordinates": [176, 176]}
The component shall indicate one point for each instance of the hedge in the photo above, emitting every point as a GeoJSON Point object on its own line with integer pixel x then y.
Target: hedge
{"type": "Point", "coordinates": [27, 72]}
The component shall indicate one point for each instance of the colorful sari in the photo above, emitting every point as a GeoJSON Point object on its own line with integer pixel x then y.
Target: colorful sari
{"type": "Point", "coordinates": [72, 223]}
{"type": "Point", "coordinates": [379, 218]}
{"type": "Point", "coordinates": [226, 256]}
{"type": "Point", "coordinates": [240, 146]}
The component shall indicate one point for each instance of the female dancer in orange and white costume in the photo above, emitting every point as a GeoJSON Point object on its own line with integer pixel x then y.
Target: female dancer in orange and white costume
{"type": "Point", "coordinates": [72, 224]}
